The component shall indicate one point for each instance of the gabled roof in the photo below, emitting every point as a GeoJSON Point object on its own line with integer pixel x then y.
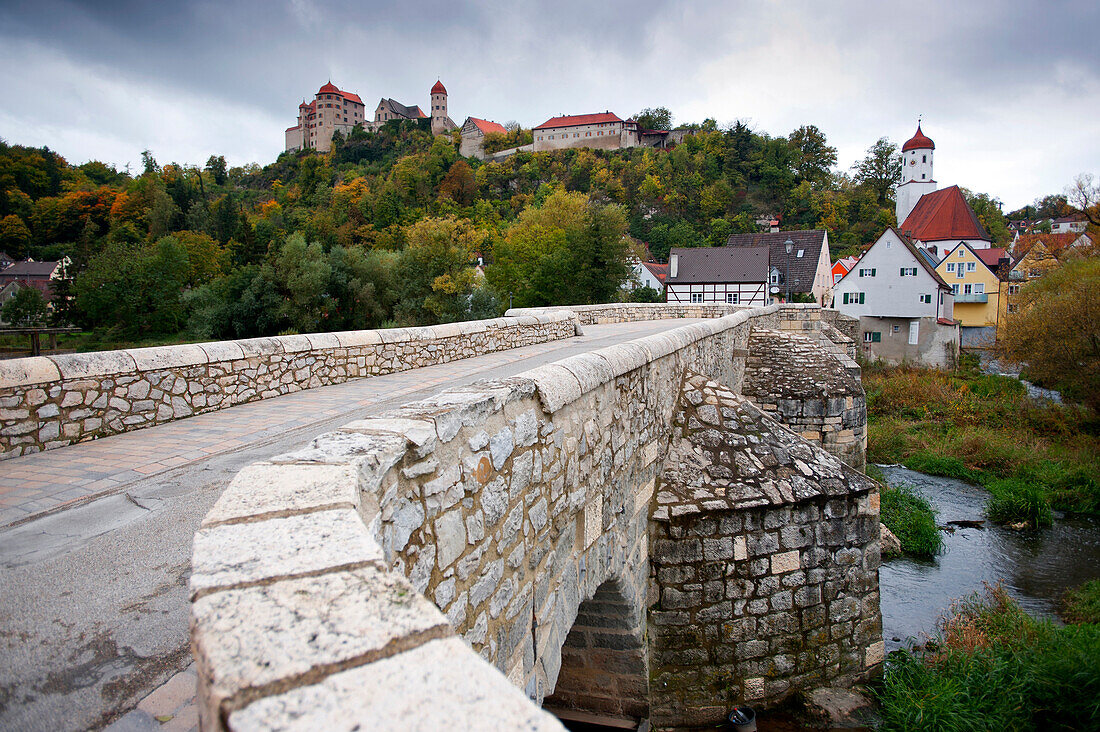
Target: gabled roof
{"type": "Point", "coordinates": [1055, 243]}
{"type": "Point", "coordinates": [922, 259]}
{"type": "Point", "coordinates": [719, 264]}
{"type": "Point", "coordinates": [29, 269]}
{"type": "Point", "coordinates": [572, 120]}
{"type": "Point", "coordinates": [804, 268]}
{"type": "Point", "coordinates": [991, 257]}
{"type": "Point", "coordinates": [659, 271]}
{"type": "Point", "coordinates": [401, 110]}
{"type": "Point", "coordinates": [928, 257]}
{"type": "Point", "coordinates": [942, 215]}
{"type": "Point", "coordinates": [439, 88]}
{"type": "Point", "coordinates": [918, 142]}
{"type": "Point", "coordinates": [486, 126]}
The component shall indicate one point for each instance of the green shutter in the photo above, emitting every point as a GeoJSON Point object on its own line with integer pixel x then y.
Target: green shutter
{"type": "Point", "coordinates": [876, 337]}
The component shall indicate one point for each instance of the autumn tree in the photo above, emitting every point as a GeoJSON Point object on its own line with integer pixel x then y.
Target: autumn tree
{"type": "Point", "coordinates": [880, 170]}
{"type": "Point", "coordinates": [15, 237]}
{"type": "Point", "coordinates": [988, 210]}
{"type": "Point", "coordinates": [1084, 195]}
{"type": "Point", "coordinates": [1056, 332]}
{"type": "Point", "coordinates": [434, 277]}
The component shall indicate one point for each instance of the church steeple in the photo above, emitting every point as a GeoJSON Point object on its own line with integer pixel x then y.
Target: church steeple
{"type": "Point", "coordinates": [916, 173]}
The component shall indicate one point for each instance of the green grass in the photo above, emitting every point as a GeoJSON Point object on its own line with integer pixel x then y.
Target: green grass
{"type": "Point", "coordinates": [1082, 604]}
{"type": "Point", "coordinates": [912, 519]}
{"type": "Point", "coordinates": [1032, 456]}
{"type": "Point", "coordinates": [993, 667]}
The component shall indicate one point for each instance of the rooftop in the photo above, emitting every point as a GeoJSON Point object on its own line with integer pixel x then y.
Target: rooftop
{"type": "Point", "coordinates": [572, 120]}
{"type": "Point", "coordinates": [942, 215]}
{"type": "Point", "coordinates": [719, 264]}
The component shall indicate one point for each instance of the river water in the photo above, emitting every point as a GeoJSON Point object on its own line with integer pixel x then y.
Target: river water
{"type": "Point", "coordinates": [1035, 567]}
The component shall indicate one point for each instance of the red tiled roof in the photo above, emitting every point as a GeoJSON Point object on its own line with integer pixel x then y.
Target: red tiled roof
{"type": "Point", "coordinates": [942, 215]}
{"type": "Point", "coordinates": [1055, 243]}
{"type": "Point", "coordinates": [486, 126]}
{"type": "Point", "coordinates": [573, 120]}
{"type": "Point", "coordinates": [991, 256]}
{"type": "Point", "coordinates": [946, 321]}
{"type": "Point", "coordinates": [295, 127]}
{"type": "Point", "coordinates": [660, 271]}
{"type": "Point", "coordinates": [918, 142]}
{"type": "Point", "coordinates": [331, 88]}
{"type": "Point", "coordinates": [439, 88]}
{"type": "Point", "coordinates": [420, 112]}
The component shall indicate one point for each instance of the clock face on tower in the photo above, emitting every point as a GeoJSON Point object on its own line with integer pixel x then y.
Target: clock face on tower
{"type": "Point", "coordinates": [912, 162]}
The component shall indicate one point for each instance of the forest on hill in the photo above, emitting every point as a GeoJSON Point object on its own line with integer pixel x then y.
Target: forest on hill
{"type": "Point", "coordinates": [384, 229]}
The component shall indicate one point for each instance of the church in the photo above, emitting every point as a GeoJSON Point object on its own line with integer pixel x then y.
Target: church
{"type": "Point", "coordinates": [936, 220]}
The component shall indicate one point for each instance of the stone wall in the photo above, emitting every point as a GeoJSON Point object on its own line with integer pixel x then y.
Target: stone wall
{"type": "Point", "coordinates": [51, 401]}
{"type": "Point", "coordinates": [797, 382]}
{"type": "Point", "coordinates": [401, 571]}
{"type": "Point", "coordinates": [765, 556]}
{"type": "Point", "coordinates": [624, 312]}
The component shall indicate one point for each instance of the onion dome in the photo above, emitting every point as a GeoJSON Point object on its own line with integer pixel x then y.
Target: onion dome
{"type": "Point", "coordinates": [918, 142]}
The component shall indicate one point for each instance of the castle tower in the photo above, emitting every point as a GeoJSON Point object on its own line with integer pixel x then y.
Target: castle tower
{"type": "Point", "coordinates": [916, 173]}
{"type": "Point", "coordinates": [439, 108]}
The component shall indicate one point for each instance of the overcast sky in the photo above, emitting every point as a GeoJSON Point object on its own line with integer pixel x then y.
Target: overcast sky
{"type": "Point", "coordinates": [1009, 91]}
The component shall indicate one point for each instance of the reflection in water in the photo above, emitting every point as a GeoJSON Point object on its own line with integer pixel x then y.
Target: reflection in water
{"type": "Point", "coordinates": [1036, 567]}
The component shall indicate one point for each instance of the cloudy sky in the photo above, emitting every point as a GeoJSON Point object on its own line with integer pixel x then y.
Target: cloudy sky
{"type": "Point", "coordinates": [1009, 91]}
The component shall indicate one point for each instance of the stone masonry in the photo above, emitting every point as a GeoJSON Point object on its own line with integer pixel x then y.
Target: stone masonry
{"type": "Point", "coordinates": [765, 562]}
{"type": "Point", "coordinates": [51, 401]}
{"type": "Point", "coordinates": [795, 381]}
{"type": "Point", "coordinates": [441, 563]}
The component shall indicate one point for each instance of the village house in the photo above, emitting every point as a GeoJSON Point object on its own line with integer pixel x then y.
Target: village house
{"type": "Point", "coordinates": [974, 277]}
{"type": "Point", "coordinates": [809, 262]}
{"type": "Point", "coordinates": [647, 274]}
{"type": "Point", "coordinates": [1031, 266]}
{"type": "Point", "coordinates": [604, 130]}
{"type": "Point", "coordinates": [1069, 225]}
{"type": "Point", "coordinates": [39, 275]}
{"type": "Point", "coordinates": [727, 275]}
{"type": "Point", "coordinates": [841, 267]}
{"type": "Point", "coordinates": [474, 131]}
{"type": "Point", "coordinates": [905, 309]}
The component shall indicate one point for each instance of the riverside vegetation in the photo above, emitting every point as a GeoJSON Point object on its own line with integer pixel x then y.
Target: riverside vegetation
{"type": "Point", "coordinates": [1032, 456]}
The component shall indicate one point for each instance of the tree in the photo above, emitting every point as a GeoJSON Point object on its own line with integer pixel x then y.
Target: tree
{"type": "Point", "coordinates": [216, 167]}
{"type": "Point", "coordinates": [654, 118]}
{"type": "Point", "coordinates": [15, 237]}
{"type": "Point", "coordinates": [813, 157]}
{"type": "Point", "coordinates": [1056, 333]}
{"type": "Point", "coordinates": [1084, 195]}
{"type": "Point", "coordinates": [880, 170]}
{"type": "Point", "coordinates": [149, 163]}
{"type": "Point", "coordinates": [25, 309]}
{"type": "Point", "coordinates": [434, 277]}
{"type": "Point", "coordinates": [988, 210]}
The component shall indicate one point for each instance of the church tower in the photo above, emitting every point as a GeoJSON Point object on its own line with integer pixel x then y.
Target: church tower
{"type": "Point", "coordinates": [439, 109]}
{"type": "Point", "coordinates": [916, 173]}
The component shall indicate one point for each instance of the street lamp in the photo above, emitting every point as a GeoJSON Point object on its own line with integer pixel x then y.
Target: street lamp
{"type": "Point", "coordinates": [788, 245]}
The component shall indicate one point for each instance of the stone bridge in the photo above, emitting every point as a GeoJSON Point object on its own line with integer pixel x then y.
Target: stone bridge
{"type": "Point", "coordinates": [631, 533]}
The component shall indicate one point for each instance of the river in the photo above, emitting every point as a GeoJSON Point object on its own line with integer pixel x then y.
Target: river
{"type": "Point", "coordinates": [1035, 567]}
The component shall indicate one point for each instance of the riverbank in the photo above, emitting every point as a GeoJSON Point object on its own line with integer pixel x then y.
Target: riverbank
{"type": "Point", "coordinates": [1032, 456]}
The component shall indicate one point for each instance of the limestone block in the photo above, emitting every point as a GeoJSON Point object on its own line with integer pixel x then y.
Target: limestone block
{"type": "Point", "coordinates": [625, 357]}
{"type": "Point", "coordinates": [439, 685]}
{"type": "Point", "coordinates": [421, 433]}
{"type": "Point", "coordinates": [269, 491]}
{"type": "Point", "coordinates": [450, 533]}
{"type": "Point", "coordinates": [18, 372]}
{"type": "Point", "coordinates": [160, 358]}
{"type": "Point", "coordinates": [557, 386]}
{"type": "Point", "coordinates": [358, 338]}
{"type": "Point", "coordinates": [260, 347]}
{"type": "Point", "coordinates": [239, 555]}
{"type": "Point", "coordinates": [293, 343]}
{"type": "Point", "coordinates": [249, 639]}
{"type": "Point", "coordinates": [93, 365]}
{"type": "Point", "coordinates": [222, 351]}
{"type": "Point", "coordinates": [590, 370]}
{"type": "Point", "coordinates": [322, 341]}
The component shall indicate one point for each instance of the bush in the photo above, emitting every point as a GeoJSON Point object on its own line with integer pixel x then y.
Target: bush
{"type": "Point", "coordinates": [1082, 604]}
{"type": "Point", "coordinates": [995, 667]}
{"type": "Point", "coordinates": [912, 519]}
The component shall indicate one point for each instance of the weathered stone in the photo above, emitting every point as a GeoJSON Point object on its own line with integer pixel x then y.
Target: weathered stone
{"type": "Point", "coordinates": [450, 535]}
{"type": "Point", "coordinates": [266, 491]}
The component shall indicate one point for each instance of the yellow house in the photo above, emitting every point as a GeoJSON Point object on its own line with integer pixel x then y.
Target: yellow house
{"type": "Point", "coordinates": [972, 274]}
{"type": "Point", "coordinates": [1032, 266]}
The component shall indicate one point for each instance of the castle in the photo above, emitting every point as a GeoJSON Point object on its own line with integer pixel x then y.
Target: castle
{"type": "Point", "coordinates": [333, 110]}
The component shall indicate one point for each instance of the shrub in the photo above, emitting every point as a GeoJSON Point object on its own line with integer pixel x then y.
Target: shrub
{"type": "Point", "coordinates": [912, 519]}
{"type": "Point", "coordinates": [1082, 604]}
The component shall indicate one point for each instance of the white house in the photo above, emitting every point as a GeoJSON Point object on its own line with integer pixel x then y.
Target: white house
{"type": "Point", "coordinates": [1068, 224]}
{"type": "Point", "coordinates": [905, 309]}
{"type": "Point", "coordinates": [646, 274]}
{"type": "Point", "coordinates": [808, 265]}
{"type": "Point", "coordinates": [729, 275]}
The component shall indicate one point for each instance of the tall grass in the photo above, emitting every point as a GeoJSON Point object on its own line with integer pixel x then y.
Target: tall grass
{"type": "Point", "coordinates": [912, 519]}
{"type": "Point", "coordinates": [1032, 456]}
{"type": "Point", "coordinates": [1082, 604]}
{"type": "Point", "coordinates": [993, 667]}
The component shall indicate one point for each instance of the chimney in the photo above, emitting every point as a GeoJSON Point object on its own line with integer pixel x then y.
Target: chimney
{"type": "Point", "coordinates": [673, 264]}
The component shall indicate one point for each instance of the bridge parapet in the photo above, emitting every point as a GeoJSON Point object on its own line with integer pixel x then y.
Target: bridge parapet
{"type": "Point", "coordinates": [52, 401]}
{"type": "Point", "coordinates": [354, 581]}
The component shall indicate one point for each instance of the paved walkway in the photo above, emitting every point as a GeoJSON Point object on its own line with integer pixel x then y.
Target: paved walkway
{"type": "Point", "coordinates": [44, 482]}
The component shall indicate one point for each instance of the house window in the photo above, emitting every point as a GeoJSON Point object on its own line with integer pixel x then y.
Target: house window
{"type": "Point", "coordinates": [872, 336]}
{"type": "Point", "coordinates": [1013, 289]}
{"type": "Point", "coordinates": [960, 250]}
{"type": "Point", "coordinates": [908, 271]}
{"type": "Point", "coordinates": [979, 289]}
{"type": "Point", "coordinates": [954, 289]}
{"type": "Point", "coordinates": [869, 272]}
{"type": "Point", "coordinates": [895, 328]}
{"type": "Point", "coordinates": [950, 266]}
{"type": "Point", "coordinates": [967, 289]}
{"type": "Point", "coordinates": [926, 299]}
{"type": "Point", "coordinates": [960, 274]}
{"type": "Point", "coordinates": [800, 253]}
{"type": "Point", "coordinates": [1033, 273]}
{"type": "Point", "coordinates": [731, 298]}
{"type": "Point", "coordinates": [924, 158]}
{"type": "Point", "coordinates": [1012, 307]}
{"type": "Point", "coordinates": [697, 297]}
{"type": "Point", "coordinates": [971, 266]}
{"type": "Point", "coordinates": [853, 298]}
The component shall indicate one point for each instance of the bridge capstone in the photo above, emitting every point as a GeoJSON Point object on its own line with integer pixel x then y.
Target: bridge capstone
{"type": "Point", "coordinates": [502, 533]}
